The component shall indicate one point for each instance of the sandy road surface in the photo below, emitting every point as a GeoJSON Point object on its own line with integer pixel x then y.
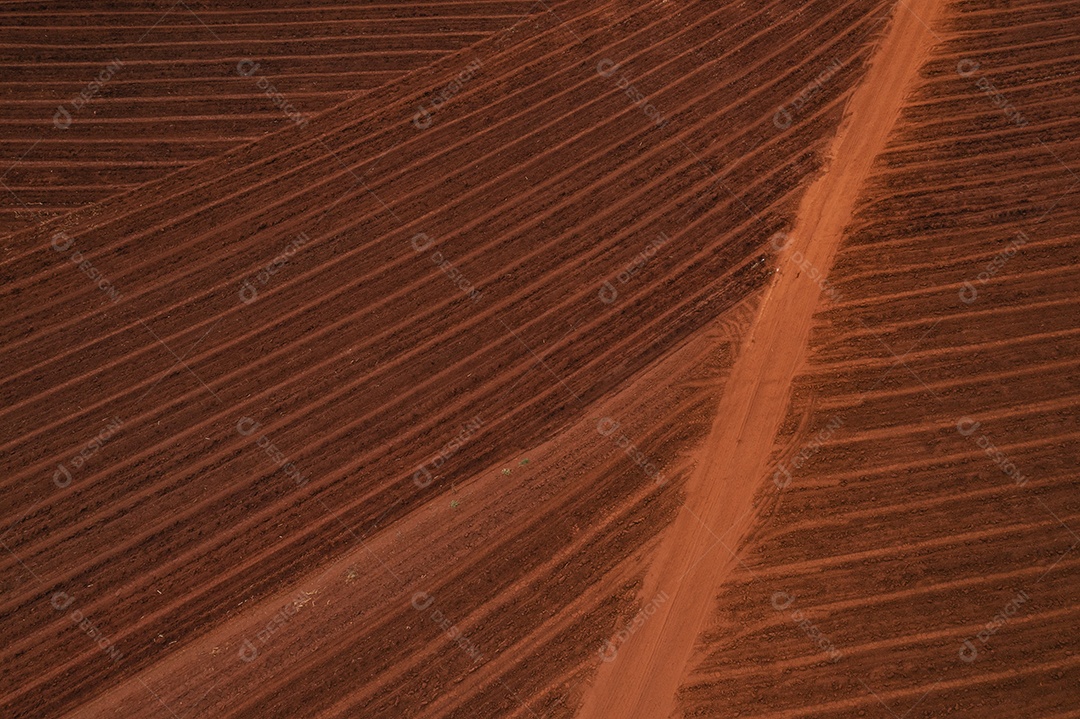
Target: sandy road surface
{"type": "Point", "coordinates": [643, 679]}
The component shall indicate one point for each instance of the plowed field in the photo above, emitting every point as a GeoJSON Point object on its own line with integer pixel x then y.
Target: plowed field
{"type": "Point", "coordinates": [634, 359]}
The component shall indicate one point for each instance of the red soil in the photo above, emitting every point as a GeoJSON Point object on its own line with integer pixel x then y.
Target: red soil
{"type": "Point", "coordinates": [644, 678]}
{"type": "Point", "coordinates": [309, 567]}
{"type": "Point", "coordinates": [899, 540]}
{"type": "Point", "coordinates": [177, 97]}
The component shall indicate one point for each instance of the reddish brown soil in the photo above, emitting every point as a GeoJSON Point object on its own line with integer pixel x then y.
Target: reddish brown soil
{"type": "Point", "coordinates": [177, 98]}
{"type": "Point", "coordinates": [694, 558]}
{"type": "Point", "coordinates": [899, 538]}
{"type": "Point", "coordinates": [493, 590]}
{"type": "Point", "coordinates": [364, 359]}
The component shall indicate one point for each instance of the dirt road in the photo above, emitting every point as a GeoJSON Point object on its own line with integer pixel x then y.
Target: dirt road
{"type": "Point", "coordinates": [693, 559]}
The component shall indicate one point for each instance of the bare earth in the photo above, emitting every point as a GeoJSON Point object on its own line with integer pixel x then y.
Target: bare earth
{"type": "Point", "coordinates": [465, 397]}
{"type": "Point", "coordinates": [695, 555]}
